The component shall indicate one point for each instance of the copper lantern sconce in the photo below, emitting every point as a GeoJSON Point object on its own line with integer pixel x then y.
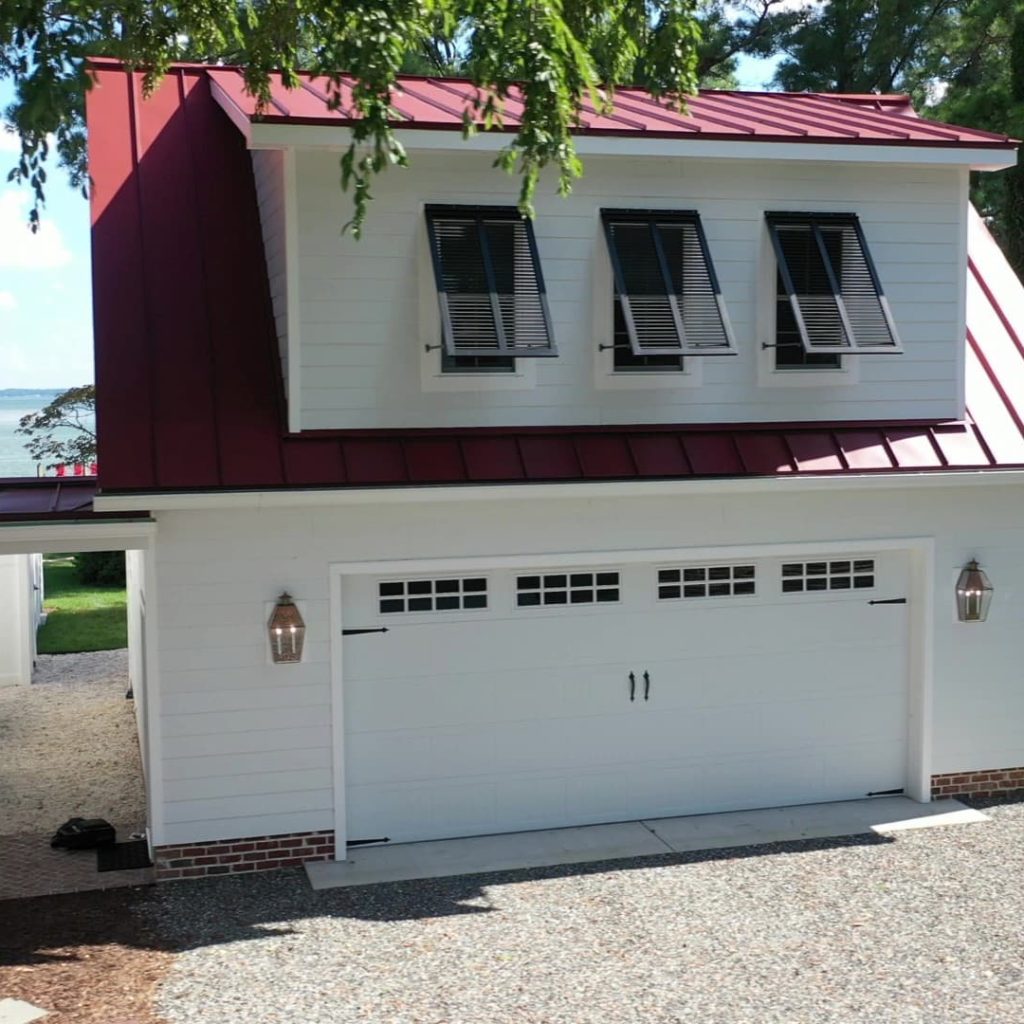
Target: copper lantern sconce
{"type": "Point", "coordinates": [287, 631]}
{"type": "Point", "coordinates": [973, 594]}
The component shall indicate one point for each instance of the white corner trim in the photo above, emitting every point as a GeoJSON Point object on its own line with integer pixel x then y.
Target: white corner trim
{"type": "Point", "coordinates": [921, 647]}
{"type": "Point", "coordinates": [154, 700]}
{"type": "Point", "coordinates": [293, 298]}
{"type": "Point", "coordinates": [263, 135]}
{"type": "Point", "coordinates": [585, 490]}
{"type": "Point", "coordinates": [965, 213]}
{"type": "Point", "coordinates": [337, 714]}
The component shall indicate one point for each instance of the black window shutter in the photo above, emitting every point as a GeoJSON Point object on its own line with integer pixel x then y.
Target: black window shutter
{"type": "Point", "coordinates": [489, 282]}
{"type": "Point", "coordinates": [666, 283]}
{"type": "Point", "coordinates": [835, 295]}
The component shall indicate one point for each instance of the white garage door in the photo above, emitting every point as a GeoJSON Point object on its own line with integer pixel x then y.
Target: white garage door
{"type": "Point", "coordinates": [511, 700]}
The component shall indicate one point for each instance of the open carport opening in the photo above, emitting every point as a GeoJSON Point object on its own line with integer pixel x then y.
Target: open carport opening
{"type": "Point", "coordinates": [72, 710]}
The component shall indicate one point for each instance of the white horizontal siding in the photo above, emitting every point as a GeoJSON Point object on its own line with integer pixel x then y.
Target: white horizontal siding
{"type": "Point", "coordinates": [368, 307]}
{"type": "Point", "coordinates": [246, 745]}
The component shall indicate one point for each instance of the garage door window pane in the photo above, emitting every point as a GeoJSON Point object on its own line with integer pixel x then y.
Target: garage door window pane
{"type": "Point", "coordinates": [706, 581]}
{"type": "Point", "coordinates": [842, 574]}
{"type": "Point", "coordinates": [398, 596]}
{"type": "Point", "coordinates": [567, 589]}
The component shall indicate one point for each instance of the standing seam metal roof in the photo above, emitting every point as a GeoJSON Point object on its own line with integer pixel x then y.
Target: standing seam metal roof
{"type": "Point", "coordinates": [188, 378]}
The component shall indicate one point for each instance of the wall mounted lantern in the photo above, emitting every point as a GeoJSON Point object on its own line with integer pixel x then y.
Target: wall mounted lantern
{"type": "Point", "coordinates": [973, 594]}
{"type": "Point", "coordinates": [287, 631]}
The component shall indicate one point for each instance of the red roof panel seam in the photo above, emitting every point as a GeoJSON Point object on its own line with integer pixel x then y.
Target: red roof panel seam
{"type": "Point", "coordinates": [983, 444]}
{"type": "Point", "coordinates": [844, 121]}
{"type": "Point", "coordinates": [147, 305]}
{"type": "Point", "coordinates": [194, 207]}
{"type": "Point", "coordinates": [324, 98]}
{"type": "Point", "coordinates": [897, 123]}
{"type": "Point", "coordinates": [660, 113]}
{"type": "Point", "coordinates": [757, 118]}
{"type": "Point", "coordinates": [789, 116]}
{"type": "Point", "coordinates": [996, 306]}
{"type": "Point", "coordinates": [843, 460]}
{"type": "Point", "coordinates": [424, 98]}
{"type": "Point", "coordinates": [996, 383]}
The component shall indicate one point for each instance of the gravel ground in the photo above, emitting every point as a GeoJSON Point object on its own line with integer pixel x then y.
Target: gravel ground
{"type": "Point", "coordinates": [69, 745]}
{"type": "Point", "coordinates": [927, 928]}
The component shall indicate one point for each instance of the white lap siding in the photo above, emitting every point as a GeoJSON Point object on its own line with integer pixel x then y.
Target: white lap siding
{"type": "Point", "coordinates": [369, 307]}
{"type": "Point", "coordinates": [247, 746]}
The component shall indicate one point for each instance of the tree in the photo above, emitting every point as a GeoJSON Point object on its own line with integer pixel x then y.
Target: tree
{"type": "Point", "coordinates": [986, 89]}
{"type": "Point", "coordinates": [962, 61]}
{"type": "Point", "coordinates": [866, 46]}
{"type": "Point", "coordinates": [62, 433]}
{"type": "Point", "coordinates": [563, 52]}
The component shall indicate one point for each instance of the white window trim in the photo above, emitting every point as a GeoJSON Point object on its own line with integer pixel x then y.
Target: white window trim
{"type": "Point", "coordinates": [432, 378]}
{"type": "Point", "coordinates": [797, 377]}
{"type": "Point", "coordinates": [602, 323]}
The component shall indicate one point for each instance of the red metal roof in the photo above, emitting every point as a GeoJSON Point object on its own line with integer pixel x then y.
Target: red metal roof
{"type": "Point", "coordinates": [188, 380]}
{"type": "Point", "coordinates": [439, 103]}
{"type": "Point", "coordinates": [35, 499]}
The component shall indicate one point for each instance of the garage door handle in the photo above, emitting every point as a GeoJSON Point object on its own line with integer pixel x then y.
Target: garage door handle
{"type": "Point", "coordinates": [632, 686]}
{"type": "Point", "coordinates": [647, 685]}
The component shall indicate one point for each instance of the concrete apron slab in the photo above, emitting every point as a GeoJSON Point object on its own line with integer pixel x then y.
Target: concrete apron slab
{"type": "Point", "coordinates": [590, 843]}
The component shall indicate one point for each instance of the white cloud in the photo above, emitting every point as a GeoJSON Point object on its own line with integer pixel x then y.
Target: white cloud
{"type": "Point", "coordinates": [7, 302]}
{"type": "Point", "coordinates": [20, 249]}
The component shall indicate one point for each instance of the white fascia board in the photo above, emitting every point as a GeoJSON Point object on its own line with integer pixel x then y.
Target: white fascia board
{"type": "Point", "coordinates": [238, 117]}
{"type": "Point", "coordinates": [281, 136]}
{"type": "Point", "coordinates": [75, 535]}
{"type": "Point", "coordinates": [322, 497]}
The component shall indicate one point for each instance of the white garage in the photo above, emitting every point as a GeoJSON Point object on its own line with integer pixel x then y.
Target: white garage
{"type": "Point", "coordinates": [536, 697]}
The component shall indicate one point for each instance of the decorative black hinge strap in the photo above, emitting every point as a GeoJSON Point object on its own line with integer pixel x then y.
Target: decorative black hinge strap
{"type": "Point", "coordinates": [890, 600]}
{"type": "Point", "coordinates": [356, 632]}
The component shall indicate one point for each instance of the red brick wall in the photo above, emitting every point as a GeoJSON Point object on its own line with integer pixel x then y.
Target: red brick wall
{"type": "Point", "coordinates": [235, 856]}
{"type": "Point", "coordinates": [982, 784]}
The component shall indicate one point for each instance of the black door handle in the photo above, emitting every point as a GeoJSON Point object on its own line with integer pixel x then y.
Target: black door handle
{"type": "Point", "coordinates": [647, 685]}
{"type": "Point", "coordinates": [632, 686]}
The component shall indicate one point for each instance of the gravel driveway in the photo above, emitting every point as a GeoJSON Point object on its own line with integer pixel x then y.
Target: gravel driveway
{"type": "Point", "coordinates": [926, 927]}
{"type": "Point", "coordinates": [68, 746]}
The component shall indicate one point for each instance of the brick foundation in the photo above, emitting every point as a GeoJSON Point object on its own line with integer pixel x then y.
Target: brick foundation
{"type": "Point", "coordinates": [236, 856]}
{"type": "Point", "coordinates": [994, 782]}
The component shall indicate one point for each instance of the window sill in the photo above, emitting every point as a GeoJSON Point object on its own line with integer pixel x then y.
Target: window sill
{"type": "Point", "coordinates": [805, 377]}
{"type": "Point", "coordinates": [605, 379]}
{"type": "Point", "coordinates": [432, 379]}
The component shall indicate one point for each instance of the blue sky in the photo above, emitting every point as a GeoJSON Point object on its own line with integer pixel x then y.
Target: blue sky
{"type": "Point", "coordinates": [45, 299]}
{"type": "Point", "coordinates": [45, 303]}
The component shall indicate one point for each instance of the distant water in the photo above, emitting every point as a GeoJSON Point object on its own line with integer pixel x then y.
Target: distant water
{"type": "Point", "coordinates": [14, 459]}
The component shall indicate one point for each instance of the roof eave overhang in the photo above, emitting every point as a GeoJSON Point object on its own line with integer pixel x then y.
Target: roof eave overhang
{"type": "Point", "coordinates": [277, 134]}
{"type": "Point", "coordinates": [684, 487]}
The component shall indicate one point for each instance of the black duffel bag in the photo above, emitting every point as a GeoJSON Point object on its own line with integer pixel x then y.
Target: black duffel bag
{"type": "Point", "coordinates": [83, 834]}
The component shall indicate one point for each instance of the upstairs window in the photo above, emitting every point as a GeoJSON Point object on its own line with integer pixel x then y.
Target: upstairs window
{"type": "Point", "coordinates": [830, 302]}
{"type": "Point", "coordinates": [666, 292]}
{"type": "Point", "coordinates": [489, 286]}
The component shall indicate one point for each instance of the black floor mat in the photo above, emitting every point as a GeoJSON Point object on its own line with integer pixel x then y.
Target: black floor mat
{"type": "Point", "coordinates": [123, 856]}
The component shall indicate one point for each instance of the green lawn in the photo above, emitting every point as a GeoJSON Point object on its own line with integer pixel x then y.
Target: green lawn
{"type": "Point", "coordinates": [82, 617]}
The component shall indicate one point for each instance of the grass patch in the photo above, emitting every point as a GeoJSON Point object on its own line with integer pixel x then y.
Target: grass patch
{"type": "Point", "coordinates": [81, 616]}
